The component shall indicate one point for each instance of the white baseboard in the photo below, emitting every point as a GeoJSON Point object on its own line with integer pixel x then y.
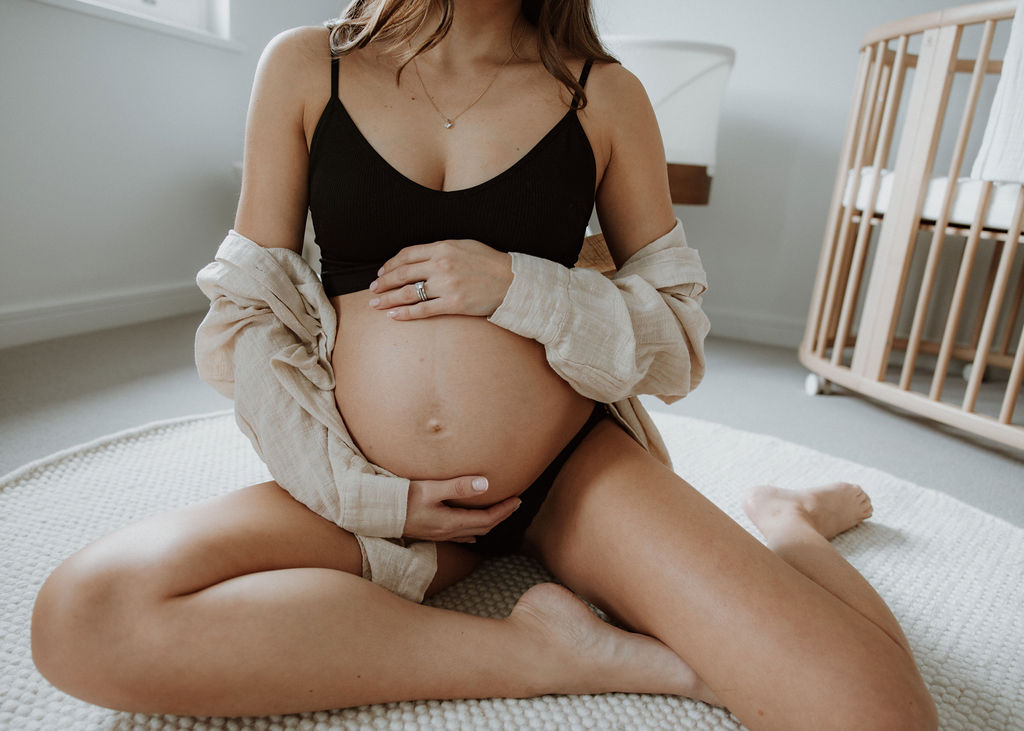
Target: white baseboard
{"type": "Point", "coordinates": [20, 324]}
{"type": "Point", "coordinates": [755, 327]}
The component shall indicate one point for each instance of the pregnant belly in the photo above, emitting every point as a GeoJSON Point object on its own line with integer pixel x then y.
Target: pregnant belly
{"type": "Point", "coordinates": [450, 395]}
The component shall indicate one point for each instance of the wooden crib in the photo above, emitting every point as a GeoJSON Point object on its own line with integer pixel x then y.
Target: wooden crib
{"type": "Point", "coordinates": [943, 292]}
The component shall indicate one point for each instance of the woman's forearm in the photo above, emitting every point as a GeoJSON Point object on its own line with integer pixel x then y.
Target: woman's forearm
{"type": "Point", "coordinates": [640, 331]}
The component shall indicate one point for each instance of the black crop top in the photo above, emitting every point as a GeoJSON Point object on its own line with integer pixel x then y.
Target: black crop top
{"type": "Point", "coordinates": [364, 211]}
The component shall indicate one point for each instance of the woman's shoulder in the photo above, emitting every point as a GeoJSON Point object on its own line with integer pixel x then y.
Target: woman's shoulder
{"type": "Point", "coordinates": [293, 66]}
{"type": "Point", "coordinates": [297, 48]}
{"type": "Point", "coordinates": [611, 85]}
{"type": "Point", "coordinates": [618, 107]}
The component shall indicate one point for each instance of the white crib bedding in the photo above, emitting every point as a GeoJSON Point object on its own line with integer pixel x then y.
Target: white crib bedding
{"type": "Point", "coordinates": [1001, 204]}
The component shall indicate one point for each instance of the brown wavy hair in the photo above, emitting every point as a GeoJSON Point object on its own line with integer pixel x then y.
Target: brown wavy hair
{"type": "Point", "coordinates": [565, 27]}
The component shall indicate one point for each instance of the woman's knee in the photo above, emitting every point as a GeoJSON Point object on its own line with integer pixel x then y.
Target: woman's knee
{"type": "Point", "coordinates": [85, 611]}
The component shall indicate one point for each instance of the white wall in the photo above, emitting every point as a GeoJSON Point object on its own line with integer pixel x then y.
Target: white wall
{"type": "Point", "coordinates": [782, 126]}
{"type": "Point", "coordinates": [116, 152]}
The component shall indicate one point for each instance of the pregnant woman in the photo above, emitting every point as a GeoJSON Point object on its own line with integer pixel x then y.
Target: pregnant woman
{"type": "Point", "coordinates": [450, 152]}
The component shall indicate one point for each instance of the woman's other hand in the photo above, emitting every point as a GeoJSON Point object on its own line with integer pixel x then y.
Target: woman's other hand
{"type": "Point", "coordinates": [461, 276]}
{"type": "Point", "coordinates": [429, 518]}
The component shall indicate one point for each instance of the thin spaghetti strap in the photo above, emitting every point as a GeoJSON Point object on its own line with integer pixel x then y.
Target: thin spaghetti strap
{"type": "Point", "coordinates": [586, 71]}
{"type": "Point", "coordinates": [334, 75]}
{"type": "Point", "coordinates": [583, 81]}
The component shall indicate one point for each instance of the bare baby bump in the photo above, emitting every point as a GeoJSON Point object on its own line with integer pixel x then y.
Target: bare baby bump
{"type": "Point", "coordinates": [450, 395]}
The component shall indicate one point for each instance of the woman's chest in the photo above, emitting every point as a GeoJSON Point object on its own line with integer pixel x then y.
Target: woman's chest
{"type": "Point", "coordinates": [407, 127]}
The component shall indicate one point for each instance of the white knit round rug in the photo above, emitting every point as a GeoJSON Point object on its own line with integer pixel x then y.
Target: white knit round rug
{"type": "Point", "coordinates": [953, 575]}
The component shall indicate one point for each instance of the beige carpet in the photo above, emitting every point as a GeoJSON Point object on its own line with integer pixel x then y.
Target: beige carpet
{"type": "Point", "coordinates": [952, 575]}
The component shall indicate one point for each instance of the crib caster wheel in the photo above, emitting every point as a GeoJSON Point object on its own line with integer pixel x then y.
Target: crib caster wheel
{"type": "Point", "coordinates": [968, 369]}
{"type": "Point", "coordinates": [816, 385]}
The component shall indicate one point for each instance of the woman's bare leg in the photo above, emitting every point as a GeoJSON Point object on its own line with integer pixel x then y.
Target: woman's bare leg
{"type": "Point", "coordinates": [798, 524]}
{"type": "Point", "coordinates": [797, 643]}
{"type": "Point", "coordinates": [250, 604]}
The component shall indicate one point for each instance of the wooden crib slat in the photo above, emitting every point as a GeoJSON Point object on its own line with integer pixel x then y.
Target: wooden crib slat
{"type": "Point", "coordinates": [990, 281]}
{"type": "Point", "coordinates": [820, 309]}
{"type": "Point", "coordinates": [850, 293]}
{"type": "Point", "coordinates": [886, 122]}
{"type": "Point", "coordinates": [995, 300]}
{"type": "Point", "coordinates": [1014, 384]}
{"type": "Point", "coordinates": [843, 277]}
{"type": "Point", "coordinates": [931, 269]}
{"type": "Point", "coordinates": [871, 149]}
{"type": "Point", "coordinates": [938, 237]}
{"type": "Point", "coordinates": [1014, 311]}
{"type": "Point", "coordinates": [847, 231]}
{"type": "Point", "coordinates": [917, 147]}
{"type": "Point", "coordinates": [959, 293]}
{"type": "Point", "coordinates": [899, 76]}
{"type": "Point", "coordinates": [867, 117]}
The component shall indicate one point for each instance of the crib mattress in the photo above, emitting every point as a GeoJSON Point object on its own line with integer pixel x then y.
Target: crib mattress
{"type": "Point", "coordinates": [1002, 200]}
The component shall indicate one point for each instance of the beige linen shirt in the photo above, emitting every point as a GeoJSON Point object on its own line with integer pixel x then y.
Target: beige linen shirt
{"type": "Point", "coordinates": [270, 331]}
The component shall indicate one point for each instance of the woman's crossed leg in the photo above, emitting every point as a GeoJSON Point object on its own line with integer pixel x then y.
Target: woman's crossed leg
{"type": "Point", "coordinates": [251, 604]}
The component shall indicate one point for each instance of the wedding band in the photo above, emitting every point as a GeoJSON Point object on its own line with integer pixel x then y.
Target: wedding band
{"type": "Point", "coordinates": [421, 290]}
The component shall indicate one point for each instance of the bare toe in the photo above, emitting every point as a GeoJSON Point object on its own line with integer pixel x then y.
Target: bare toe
{"type": "Point", "coordinates": [829, 509]}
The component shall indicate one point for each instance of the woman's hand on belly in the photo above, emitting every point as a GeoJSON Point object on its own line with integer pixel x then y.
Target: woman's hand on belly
{"type": "Point", "coordinates": [428, 517]}
{"type": "Point", "coordinates": [462, 277]}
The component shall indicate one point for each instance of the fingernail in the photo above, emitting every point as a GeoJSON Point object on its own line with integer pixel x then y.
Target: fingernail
{"type": "Point", "coordinates": [517, 506]}
{"type": "Point", "coordinates": [479, 484]}
{"type": "Point", "coordinates": [375, 301]}
{"type": "Point", "coordinates": [379, 271]}
{"type": "Point", "coordinates": [373, 285]}
{"type": "Point", "coordinates": [392, 314]}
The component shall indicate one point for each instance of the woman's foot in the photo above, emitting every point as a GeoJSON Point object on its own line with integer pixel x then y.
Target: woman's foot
{"type": "Point", "coordinates": [829, 509]}
{"type": "Point", "coordinates": [592, 656]}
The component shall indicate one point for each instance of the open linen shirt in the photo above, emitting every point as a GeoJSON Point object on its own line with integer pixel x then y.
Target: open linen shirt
{"type": "Point", "coordinates": [267, 341]}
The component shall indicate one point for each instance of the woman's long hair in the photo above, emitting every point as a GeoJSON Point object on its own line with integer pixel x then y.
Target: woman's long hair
{"type": "Point", "coordinates": [564, 27]}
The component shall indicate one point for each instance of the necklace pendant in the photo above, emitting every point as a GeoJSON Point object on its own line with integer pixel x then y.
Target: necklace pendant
{"type": "Point", "coordinates": [448, 124]}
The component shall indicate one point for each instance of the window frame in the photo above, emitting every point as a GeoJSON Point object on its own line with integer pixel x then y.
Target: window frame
{"type": "Point", "coordinates": [216, 33]}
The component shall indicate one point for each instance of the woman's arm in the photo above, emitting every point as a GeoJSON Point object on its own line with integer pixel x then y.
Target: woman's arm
{"type": "Point", "coordinates": [633, 201]}
{"type": "Point", "coordinates": [272, 207]}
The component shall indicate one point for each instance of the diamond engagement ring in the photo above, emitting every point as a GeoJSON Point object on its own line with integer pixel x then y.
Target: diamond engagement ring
{"type": "Point", "coordinates": [421, 290]}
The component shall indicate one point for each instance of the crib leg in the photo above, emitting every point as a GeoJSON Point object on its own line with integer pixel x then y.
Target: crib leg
{"type": "Point", "coordinates": [816, 385]}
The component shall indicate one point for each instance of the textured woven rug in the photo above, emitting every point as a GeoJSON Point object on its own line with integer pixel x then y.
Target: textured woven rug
{"type": "Point", "coordinates": [952, 575]}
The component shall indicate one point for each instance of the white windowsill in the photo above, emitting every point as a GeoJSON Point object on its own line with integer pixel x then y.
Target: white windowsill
{"type": "Point", "coordinates": [139, 21]}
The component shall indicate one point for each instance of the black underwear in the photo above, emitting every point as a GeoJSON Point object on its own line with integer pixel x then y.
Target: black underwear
{"type": "Point", "coordinates": [507, 536]}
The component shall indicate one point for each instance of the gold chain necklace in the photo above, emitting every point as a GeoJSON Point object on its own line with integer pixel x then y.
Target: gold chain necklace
{"type": "Point", "coordinates": [447, 121]}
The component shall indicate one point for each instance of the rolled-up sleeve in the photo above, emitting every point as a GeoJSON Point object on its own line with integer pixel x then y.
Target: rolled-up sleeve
{"type": "Point", "coordinates": [641, 330]}
{"type": "Point", "coordinates": [264, 346]}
